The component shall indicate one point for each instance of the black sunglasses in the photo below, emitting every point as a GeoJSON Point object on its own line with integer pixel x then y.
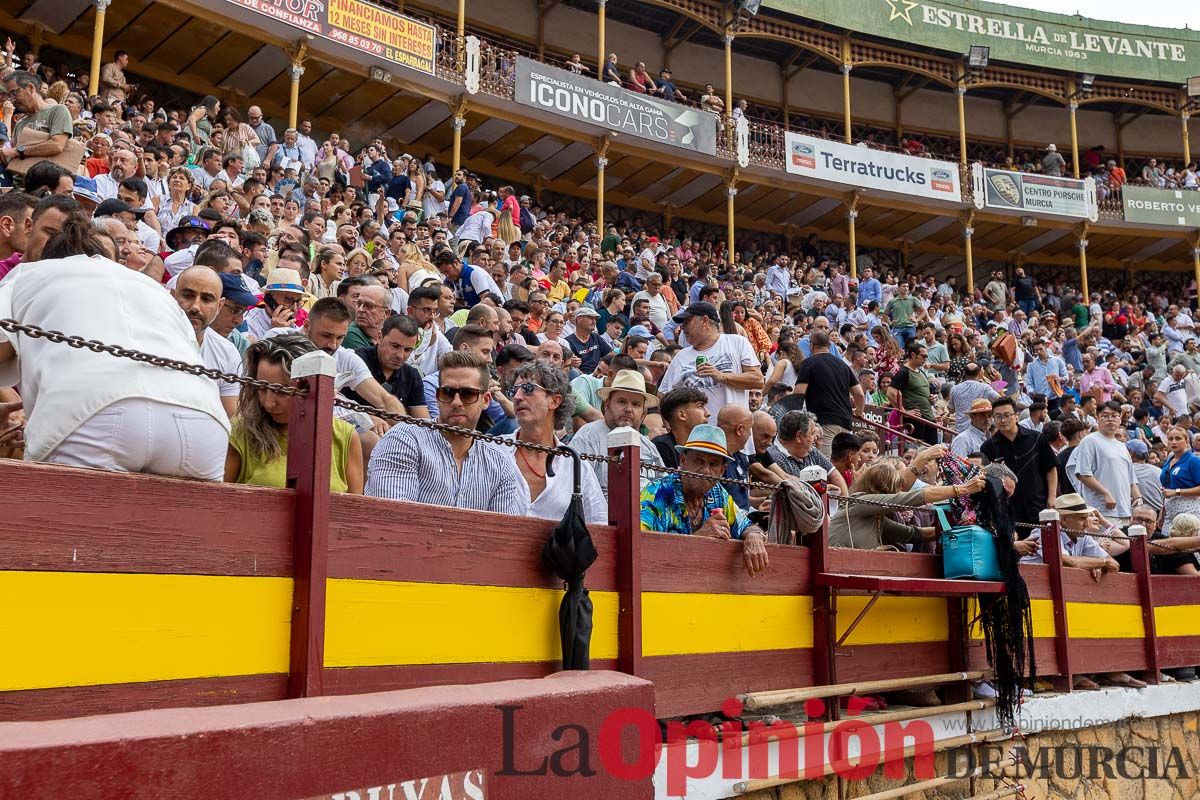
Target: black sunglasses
{"type": "Point", "coordinates": [527, 388]}
{"type": "Point", "coordinates": [469, 394]}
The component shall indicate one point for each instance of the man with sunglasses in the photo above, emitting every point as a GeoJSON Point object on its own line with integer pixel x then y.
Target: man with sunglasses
{"type": "Point", "coordinates": [438, 467]}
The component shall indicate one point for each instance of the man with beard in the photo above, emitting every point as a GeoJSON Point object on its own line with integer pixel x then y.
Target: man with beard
{"type": "Point", "coordinates": [199, 293]}
{"type": "Point", "coordinates": [388, 362]}
{"type": "Point", "coordinates": [25, 91]}
{"type": "Point", "coordinates": [624, 402]}
{"type": "Point", "coordinates": [122, 164]}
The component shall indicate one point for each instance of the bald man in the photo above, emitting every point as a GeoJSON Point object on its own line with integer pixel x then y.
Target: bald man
{"type": "Point", "coordinates": [198, 292]}
{"type": "Point", "coordinates": [737, 422]}
{"type": "Point", "coordinates": [763, 470]}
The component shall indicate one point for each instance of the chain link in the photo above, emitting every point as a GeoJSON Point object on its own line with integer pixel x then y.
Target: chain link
{"type": "Point", "coordinates": [771, 487]}
{"type": "Point", "coordinates": [79, 343]}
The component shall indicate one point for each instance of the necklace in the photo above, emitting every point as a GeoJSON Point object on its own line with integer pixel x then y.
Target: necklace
{"type": "Point", "coordinates": [528, 463]}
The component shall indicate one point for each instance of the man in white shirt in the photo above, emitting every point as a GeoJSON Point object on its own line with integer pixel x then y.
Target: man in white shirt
{"type": "Point", "coordinates": [432, 344]}
{"type": "Point", "coordinates": [1173, 390]}
{"type": "Point", "coordinates": [122, 164]}
{"type": "Point", "coordinates": [660, 309]}
{"type": "Point", "coordinates": [198, 292]}
{"type": "Point", "coordinates": [723, 366]}
{"type": "Point", "coordinates": [434, 201]}
{"type": "Point", "coordinates": [645, 262]}
{"type": "Point", "coordinates": [779, 278]}
{"type": "Point", "coordinates": [89, 409]}
{"type": "Point", "coordinates": [475, 228]}
{"type": "Point", "coordinates": [308, 147]}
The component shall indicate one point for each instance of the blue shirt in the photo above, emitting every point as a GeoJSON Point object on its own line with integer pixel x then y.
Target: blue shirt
{"type": "Point", "coordinates": [870, 290]}
{"type": "Point", "coordinates": [1181, 474]}
{"type": "Point", "coordinates": [464, 209]}
{"type": "Point", "coordinates": [664, 510]}
{"type": "Point", "coordinates": [379, 172]}
{"type": "Point", "coordinates": [1036, 372]}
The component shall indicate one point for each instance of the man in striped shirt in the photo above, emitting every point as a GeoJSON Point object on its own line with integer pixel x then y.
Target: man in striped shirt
{"type": "Point", "coordinates": [438, 467]}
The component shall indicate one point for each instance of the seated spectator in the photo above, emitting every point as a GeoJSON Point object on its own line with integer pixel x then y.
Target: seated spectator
{"type": "Point", "coordinates": [199, 293]}
{"type": "Point", "coordinates": [738, 424]}
{"type": "Point", "coordinates": [699, 506]}
{"type": "Point", "coordinates": [681, 409]}
{"type": "Point", "coordinates": [438, 467]}
{"type": "Point", "coordinates": [284, 292]}
{"type": "Point", "coordinates": [543, 403]}
{"type": "Point", "coordinates": [388, 363]}
{"type": "Point", "coordinates": [89, 409]}
{"type": "Point", "coordinates": [868, 527]}
{"type": "Point", "coordinates": [640, 80]}
{"type": "Point", "coordinates": [844, 455]}
{"type": "Point", "coordinates": [624, 401]}
{"type": "Point", "coordinates": [257, 452]}
{"type": "Point", "coordinates": [796, 448]}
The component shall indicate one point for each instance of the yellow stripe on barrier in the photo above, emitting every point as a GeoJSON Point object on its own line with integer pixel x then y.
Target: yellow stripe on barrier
{"type": "Point", "coordinates": [1042, 612]}
{"type": "Point", "coordinates": [82, 629]}
{"type": "Point", "coordinates": [1177, 620]}
{"type": "Point", "coordinates": [379, 623]}
{"type": "Point", "coordinates": [1104, 621]}
{"type": "Point", "coordinates": [679, 623]}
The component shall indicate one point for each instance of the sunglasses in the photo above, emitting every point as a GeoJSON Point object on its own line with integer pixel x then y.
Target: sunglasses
{"type": "Point", "coordinates": [526, 388]}
{"type": "Point", "coordinates": [469, 394]}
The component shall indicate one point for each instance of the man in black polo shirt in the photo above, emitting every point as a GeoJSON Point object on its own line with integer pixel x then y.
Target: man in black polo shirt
{"type": "Point", "coordinates": [828, 386]}
{"type": "Point", "coordinates": [1029, 456]}
{"type": "Point", "coordinates": [388, 362]}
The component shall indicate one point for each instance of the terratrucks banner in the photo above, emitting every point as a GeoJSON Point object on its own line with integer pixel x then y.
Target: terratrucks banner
{"type": "Point", "coordinates": [569, 95]}
{"type": "Point", "coordinates": [871, 169]}
{"type": "Point", "coordinates": [1036, 194]}
{"type": "Point", "coordinates": [1162, 206]}
{"type": "Point", "coordinates": [1042, 40]}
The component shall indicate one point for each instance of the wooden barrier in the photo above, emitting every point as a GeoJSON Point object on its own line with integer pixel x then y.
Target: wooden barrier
{"type": "Point", "coordinates": [142, 592]}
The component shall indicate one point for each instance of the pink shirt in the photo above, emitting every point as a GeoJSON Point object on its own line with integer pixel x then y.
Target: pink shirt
{"type": "Point", "coordinates": [1099, 376]}
{"type": "Point", "coordinates": [9, 264]}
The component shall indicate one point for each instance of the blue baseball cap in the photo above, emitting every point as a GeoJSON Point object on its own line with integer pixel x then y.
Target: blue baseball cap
{"type": "Point", "coordinates": [234, 290]}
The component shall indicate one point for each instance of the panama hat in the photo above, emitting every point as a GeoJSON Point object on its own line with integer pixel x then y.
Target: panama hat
{"type": "Point", "coordinates": [282, 279]}
{"type": "Point", "coordinates": [628, 380]}
{"type": "Point", "coordinates": [708, 439]}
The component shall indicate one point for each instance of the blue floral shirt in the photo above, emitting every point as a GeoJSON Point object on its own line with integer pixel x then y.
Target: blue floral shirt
{"type": "Point", "coordinates": [664, 510]}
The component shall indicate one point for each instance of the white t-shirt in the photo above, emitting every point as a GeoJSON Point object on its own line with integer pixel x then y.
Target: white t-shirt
{"type": "Point", "coordinates": [220, 354]}
{"type": "Point", "coordinates": [660, 310]}
{"type": "Point", "coordinates": [431, 204]}
{"type": "Point", "coordinates": [95, 298]}
{"type": "Point", "coordinates": [730, 353]}
{"type": "Point", "coordinates": [1176, 394]}
{"type": "Point", "coordinates": [431, 345]}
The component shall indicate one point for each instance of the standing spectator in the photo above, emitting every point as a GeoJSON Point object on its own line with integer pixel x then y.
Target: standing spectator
{"type": "Point", "coordinates": [779, 278]}
{"type": "Point", "coordinates": [971, 440]}
{"type": "Point", "coordinates": [1172, 392]}
{"type": "Point", "coordinates": [1180, 478]}
{"type": "Point", "coordinates": [25, 93]}
{"type": "Point", "coordinates": [113, 86]}
{"type": "Point", "coordinates": [910, 390]}
{"type": "Point", "coordinates": [1025, 292]}
{"type": "Point", "coordinates": [1046, 375]}
{"type": "Point", "coordinates": [308, 147]}
{"type": "Point", "coordinates": [459, 202]}
{"type": "Point", "coordinates": [721, 365]}
{"type": "Point", "coordinates": [1028, 455]}
{"type": "Point", "coordinates": [904, 311]}
{"type": "Point", "coordinates": [1053, 164]}
{"type": "Point", "coordinates": [996, 292]}
{"type": "Point", "coordinates": [1147, 476]}
{"type": "Point", "coordinates": [437, 467]}
{"type": "Point", "coordinates": [1102, 470]}
{"type": "Point", "coordinates": [829, 388]}
{"type": "Point", "coordinates": [667, 88]}
{"type": "Point", "coordinates": [268, 142]}
{"type": "Point", "coordinates": [1096, 380]}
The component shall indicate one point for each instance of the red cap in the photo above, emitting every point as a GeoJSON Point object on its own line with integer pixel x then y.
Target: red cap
{"type": "Point", "coordinates": [653, 240]}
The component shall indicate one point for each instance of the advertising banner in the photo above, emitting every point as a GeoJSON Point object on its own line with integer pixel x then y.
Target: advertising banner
{"type": "Point", "coordinates": [1161, 206]}
{"type": "Point", "coordinates": [566, 94]}
{"type": "Point", "coordinates": [1036, 194]}
{"type": "Point", "coordinates": [1040, 39]}
{"type": "Point", "coordinates": [365, 27]}
{"type": "Point", "coordinates": [867, 168]}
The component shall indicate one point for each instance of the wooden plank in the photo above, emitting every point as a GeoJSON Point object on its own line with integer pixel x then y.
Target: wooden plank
{"type": "Point", "coordinates": [361, 680]}
{"type": "Point", "coordinates": [1173, 590]}
{"type": "Point", "coordinates": [1118, 588]}
{"type": "Point", "coordinates": [928, 587]}
{"type": "Point", "coordinates": [688, 564]}
{"type": "Point", "coordinates": [695, 684]}
{"type": "Point", "coordinates": [1178, 651]}
{"type": "Point", "coordinates": [81, 701]}
{"type": "Point", "coordinates": [118, 522]}
{"type": "Point", "coordinates": [1140, 555]}
{"type": "Point", "coordinates": [883, 563]}
{"type": "Point", "coordinates": [624, 491]}
{"type": "Point", "coordinates": [376, 539]}
{"type": "Point", "coordinates": [1092, 656]}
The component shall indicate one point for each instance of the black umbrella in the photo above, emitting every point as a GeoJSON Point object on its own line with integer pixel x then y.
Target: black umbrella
{"type": "Point", "coordinates": [569, 552]}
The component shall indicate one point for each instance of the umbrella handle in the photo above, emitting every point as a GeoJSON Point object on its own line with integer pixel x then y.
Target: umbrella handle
{"type": "Point", "coordinates": [576, 465]}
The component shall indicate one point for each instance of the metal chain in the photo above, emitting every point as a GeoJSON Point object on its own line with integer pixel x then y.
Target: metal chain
{"type": "Point", "coordinates": [1076, 531]}
{"type": "Point", "coordinates": [79, 343]}
{"type": "Point", "coordinates": [771, 487]}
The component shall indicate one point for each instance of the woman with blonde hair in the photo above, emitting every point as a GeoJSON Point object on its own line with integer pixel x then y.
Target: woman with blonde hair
{"type": "Point", "coordinates": [415, 269]}
{"type": "Point", "coordinates": [866, 526]}
{"type": "Point", "coordinates": [888, 353]}
{"type": "Point", "coordinates": [358, 261]}
{"type": "Point", "coordinates": [257, 452]}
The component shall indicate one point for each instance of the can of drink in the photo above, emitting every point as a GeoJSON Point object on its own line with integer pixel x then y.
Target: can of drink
{"type": "Point", "coordinates": [701, 360]}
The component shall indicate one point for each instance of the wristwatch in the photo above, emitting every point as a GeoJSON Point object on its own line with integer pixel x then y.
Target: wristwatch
{"type": "Point", "coordinates": [20, 151]}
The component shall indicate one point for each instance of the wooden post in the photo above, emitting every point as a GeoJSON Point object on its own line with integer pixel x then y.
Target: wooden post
{"type": "Point", "coordinates": [1139, 552]}
{"type": "Point", "coordinates": [784, 80]}
{"type": "Point", "coordinates": [1052, 556]}
{"type": "Point", "coordinates": [1008, 135]}
{"type": "Point", "coordinates": [1187, 145]}
{"type": "Point", "coordinates": [1194, 240]}
{"type": "Point", "coordinates": [310, 451]}
{"type": "Point", "coordinates": [624, 512]}
{"type": "Point", "coordinates": [968, 222]}
{"type": "Point", "coordinates": [1120, 125]}
{"type": "Point", "coordinates": [459, 109]}
{"type": "Point", "coordinates": [296, 71]}
{"type": "Point", "coordinates": [851, 217]}
{"type": "Point", "coordinates": [730, 194]}
{"type": "Point", "coordinates": [460, 23]}
{"type": "Point", "coordinates": [601, 148]}
{"type": "Point", "coordinates": [898, 97]}
{"type": "Point", "coordinates": [1073, 105]}
{"type": "Point", "coordinates": [961, 93]}
{"type": "Point", "coordinates": [846, 67]}
{"type": "Point", "coordinates": [824, 613]}
{"type": "Point", "coordinates": [603, 55]}
{"type": "Point", "coordinates": [1081, 232]}
{"type": "Point", "coordinates": [729, 137]}
{"type": "Point", "coordinates": [97, 46]}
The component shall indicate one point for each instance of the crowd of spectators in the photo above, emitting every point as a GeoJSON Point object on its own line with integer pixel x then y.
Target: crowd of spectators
{"type": "Point", "coordinates": [192, 234]}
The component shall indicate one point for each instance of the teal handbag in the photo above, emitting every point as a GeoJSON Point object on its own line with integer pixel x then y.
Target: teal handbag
{"type": "Point", "coordinates": [968, 551]}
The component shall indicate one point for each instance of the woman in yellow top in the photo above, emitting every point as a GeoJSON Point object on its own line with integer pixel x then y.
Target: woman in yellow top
{"type": "Point", "coordinates": [257, 452]}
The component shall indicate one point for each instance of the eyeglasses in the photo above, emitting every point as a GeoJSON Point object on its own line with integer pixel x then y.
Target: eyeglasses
{"type": "Point", "coordinates": [469, 394]}
{"type": "Point", "coordinates": [526, 388]}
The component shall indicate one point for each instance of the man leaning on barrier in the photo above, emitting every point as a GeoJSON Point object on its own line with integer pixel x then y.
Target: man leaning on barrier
{"type": "Point", "coordinates": [700, 506]}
